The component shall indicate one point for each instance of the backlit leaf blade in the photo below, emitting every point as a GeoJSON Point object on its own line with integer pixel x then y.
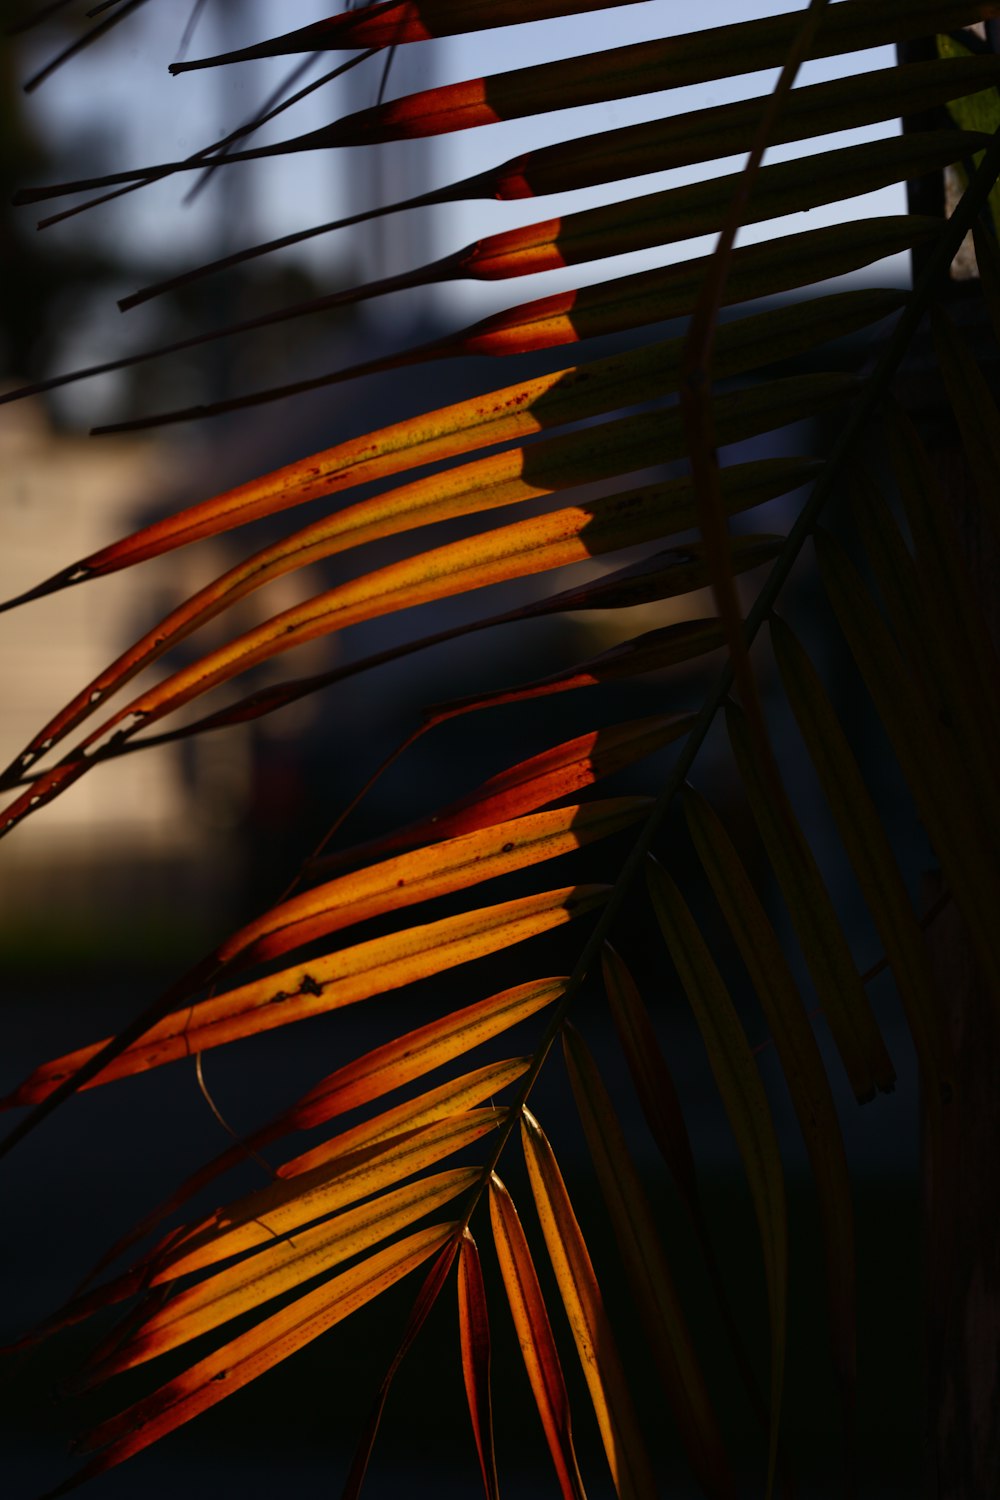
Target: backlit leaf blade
{"type": "Point", "coordinates": [394, 23]}
{"type": "Point", "coordinates": [649, 1272]}
{"type": "Point", "coordinates": [357, 1083]}
{"type": "Point", "coordinates": [449, 1098]}
{"type": "Point", "coordinates": [326, 983]}
{"type": "Point", "coordinates": [606, 307]}
{"type": "Point", "coordinates": [336, 1169]}
{"type": "Point", "coordinates": [742, 1094]}
{"type": "Point", "coordinates": [523, 548]}
{"type": "Point", "coordinates": [654, 650]}
{"type": "Point", "coordinates": [613, 156]}
{"type": "Point", "coordinates": [415, 1053]}
{"type": "Point", "coordinates": [632, 224]}
{"type": "Point", "coordinates": [514, 411]}
{"type": "Point", "coordinates": [680, 213]}
{"type": "Point", "coordinates": [642, 222]}
{"type": "Point", "coordinates": [333, 1176]}
{"type": "Point", "coordinates": [615, 73]}
{"type": "Point", "coordinates": [510, 478]}
{"type": "Point", "coordinates": [474, 1336]}
{"type": "Point", "coordinates": [801, 1064]}
{"type": "Point", "coordinates": [542, 542]}
{"type": "Point", "coordinates": [499, 555]}
{"type": "Point", "coordinates": [951, 822]}
{"type": "Point", "coordinates": [419, 875]}
{"type": "Point", "coordinates": [686, 139]}
{"type": "Point", "coordinates": [665, 575]}
{"type": "Point", "coordinates": [558, 772]}
{"type": "Point", "coordinates": [277, 1268]}
{"type": "Point", "coordinates": [699, 56]}
{"type": "Point", "coordinates": [561, 538]}
{"type": "Point", "coordinates": [581, 1296]}
{"type": "Point", "coordinates": [257, 1350]}
{"type": "Point", "coordinates": [288, 1204]}
{"type": "Point", "coordinates": [534, 1334]}
{"type": "Point", "coordinates": [870, 853]}
{"type": "Point", "coordinates": [827, 954]}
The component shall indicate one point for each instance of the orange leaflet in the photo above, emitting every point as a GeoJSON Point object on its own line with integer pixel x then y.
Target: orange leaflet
{"type": "Point", "coordinates": [630, 151]}
{"type": "Point", "coordinates": [418, 1052]}
{"type": "Point", "coordinates": [277, 1269]}
{"type": "Point", "coordinates": [555, 773]}
{"type": "Point", "coordinates": [581, 1296]}
{"type": "Point", "coordinates": [502, 554]}
{"type": "Point", "coordinates": [537, 545]}
{"type": "Point", "coordinates": [437, 434]}
{"type": "Point", "coordinates": [327, 1178]}
{"type": "Point", "coordinates": [424, 873]}
{"type": "Point", "coordinates": [606, 307]}
{"type": "Point", "coordinates": [474, 1338]}
{"type": "Point", "coordinates": [534, 1334]}
{"type": "Point", "coordinates": [257, 1350]}
{"type": "Point", "coordinates": [650, 296]}
{"type": "Point", "coordinates": [646, 653]}
{"type": "Point", "coordinates": [650, 652]}
{"type": "Point", "coordinates": [393, 23]}
{"type": "Point", "coordinates": [645, 67]}
{"type": "Point", "coordinates": [379, 1072]}
{"type": "Point", "coordinates": [610, 156]}
{"type": "Point", "coordinates": [513, 411]}
{"type": "Point", "coordinates": [593, 234]}
{"type": "Point", "coordinates": [486, 484]}
{"type": "Point", "coordinates": [663, 575]}
{"type": "Point", "coordinates": [437, 1104]}
{"type": "Point", "coordinates": [666, 574]}
{"type": "Point", "coordinates": [286, 1206]}
{"type": "Point", "coordinates": [324, 984]}
{"type": "Point", "coordinates": [510, 478]}
{"type": "Point", "coordinates": [682, 213]}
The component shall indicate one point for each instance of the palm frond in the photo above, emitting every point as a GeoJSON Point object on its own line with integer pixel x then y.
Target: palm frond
{"type": "Point", "coordinates": [908, 616]}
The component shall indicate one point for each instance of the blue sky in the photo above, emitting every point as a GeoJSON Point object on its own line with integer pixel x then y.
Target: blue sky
{"type": "Point", "coordinates": [122, 89]}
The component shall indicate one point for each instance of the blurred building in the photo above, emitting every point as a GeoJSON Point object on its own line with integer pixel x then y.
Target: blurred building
{"type": "Point", "coordinates": [134, 831]}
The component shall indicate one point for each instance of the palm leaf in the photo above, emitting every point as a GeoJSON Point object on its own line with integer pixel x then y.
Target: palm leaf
{"type": "Point", "coordinates": [534, 1334]}
{"type": "Point", "coordinates": [343, 1197]}
{"type": "Point", "coordinates": [592, 1334]}
{"type": "Point", "coordinates": [474, 1327]}
{"type": "Point", "coordinates": [262, 1347]}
